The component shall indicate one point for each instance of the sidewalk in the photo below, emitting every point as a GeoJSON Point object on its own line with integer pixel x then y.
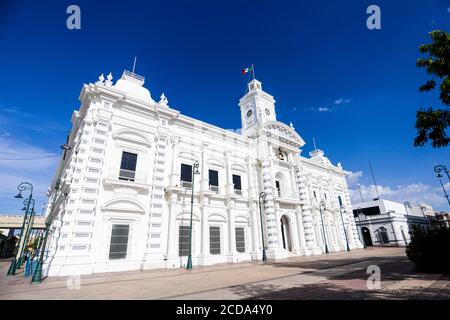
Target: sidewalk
{"type": "Point", "coordinates": [334, 276]}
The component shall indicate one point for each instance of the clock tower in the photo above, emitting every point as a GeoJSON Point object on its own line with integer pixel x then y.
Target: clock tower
{"type": "Point", "coordinates": [257, 108]}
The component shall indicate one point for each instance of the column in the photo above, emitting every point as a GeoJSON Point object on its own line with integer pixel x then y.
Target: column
{"type": "Point", "coordinates": [255, 228]}
{"type": "Point", "coordinates": [174, 176]}
{"type": "Point", "coordinates": [172, 239]}
{"type": "Point", "coordinates": [229, 187]}
{"type": "Point", "coordinates": [204, 177]}
{"type": "Point", "coordinates": [352, 224]}
{"type": "Point", "coordinates": [270, 217]}
{"type": "Point", "coordinates": [204, 229]}
{"type": "Point", "coordinates": [231, 236]}
{"type": "Point", "coordinates": [306, 208]}
{"type": "Point", "coordinates": [300, 230]}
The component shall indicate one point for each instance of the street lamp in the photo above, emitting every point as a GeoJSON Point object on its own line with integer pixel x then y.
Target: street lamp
{"type": "Point", "coordinates": [24, 186]}
{"type": "Point", "coordinates": [194, 172]}
{"type": "Point", "coordinates": [262, 196]}
{"type": "Point", "coordinates": [321, 208]}
{"type": "Point", "coordinates": [37, 275]}
{"type": "Point", "coordinates": [438, 169]}
{"type": "Point", "coordinates": [29, 226]}
{"type": "Point", "coordinates": [360, 215]}
{"type": "Point", "coordinates": [343, 226]}
{"type": "Point", "coordinates": [407, 205]}
{"type": "Point", "coordinates": [422, 207]}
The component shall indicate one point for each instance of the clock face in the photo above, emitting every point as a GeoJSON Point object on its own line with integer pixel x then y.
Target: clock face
{"type": "Point", "coordinates": [249, 113]}
{"type": "Point", "coordinates": [267, 111]}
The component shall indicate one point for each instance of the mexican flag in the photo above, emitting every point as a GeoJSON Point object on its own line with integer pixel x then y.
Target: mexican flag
{"type": "Point", "coordinates": [247, 70]}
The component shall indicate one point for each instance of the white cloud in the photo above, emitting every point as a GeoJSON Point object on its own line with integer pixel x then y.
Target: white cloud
{"type": "Point", "coordinates": [335, 105]}
{"type": "Point", "coordinates": [38, 172]}
{"type": "Point", "coordinates": [341, 101]}
{"type": "Point", "coordinates": [353, 178]}
{"type": "Point", "coordinates": [414, 193]}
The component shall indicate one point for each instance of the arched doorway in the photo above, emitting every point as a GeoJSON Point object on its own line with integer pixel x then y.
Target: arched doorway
{"type": "Point", "coordinates": [286, 233]}
{"type": "Point", "coordinates": [366, 237]}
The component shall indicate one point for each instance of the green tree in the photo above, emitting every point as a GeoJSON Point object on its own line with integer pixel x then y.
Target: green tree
{"type": "Point", "coordinates": [432, 124]}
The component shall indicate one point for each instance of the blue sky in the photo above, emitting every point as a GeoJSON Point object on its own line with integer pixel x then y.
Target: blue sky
{"type": "Point", "coordinates": [353, 89]}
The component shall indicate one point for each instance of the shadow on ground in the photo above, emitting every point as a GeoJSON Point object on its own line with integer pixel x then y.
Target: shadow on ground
{"type": "Point", "coordinates": [346, 279]}
{"type": "Point", "coordinates": [329, 291]}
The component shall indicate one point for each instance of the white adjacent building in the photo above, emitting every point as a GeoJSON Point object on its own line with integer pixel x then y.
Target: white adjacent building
{"type": "Point", "coordinates": [121, 197]}
{"type": "Point", "coordinates": [383, 222]}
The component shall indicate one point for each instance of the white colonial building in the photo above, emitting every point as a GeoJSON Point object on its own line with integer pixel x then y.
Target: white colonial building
{"type": "Point", "coordinates": [121, 197]}
{"type": "Point", "coordinates": [382, 222]}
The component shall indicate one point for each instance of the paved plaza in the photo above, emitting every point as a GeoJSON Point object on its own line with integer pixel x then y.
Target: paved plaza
{"type": "Point", "coordinates": [335, 276]}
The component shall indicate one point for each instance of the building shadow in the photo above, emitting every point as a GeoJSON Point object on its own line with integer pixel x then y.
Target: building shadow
{"type": "Point", "coordinates": [329, 291]}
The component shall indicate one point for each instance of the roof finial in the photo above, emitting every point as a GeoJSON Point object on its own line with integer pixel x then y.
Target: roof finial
{"type": "Point", "coordinates": [109, 78]}
{"type": "Point", "coordinates": [163, 100]}
{"type": "Point", "coordinates": [314, 141]}
{"type": "Point", "coordinates": [101, 80]}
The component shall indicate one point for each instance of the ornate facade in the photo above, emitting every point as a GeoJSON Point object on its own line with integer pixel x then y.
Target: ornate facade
{"type": "Point", "coordinates": [121, 196]}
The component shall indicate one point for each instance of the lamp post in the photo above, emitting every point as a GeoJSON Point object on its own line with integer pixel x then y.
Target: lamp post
{"type": "Point", "coordinates": [407, 205]}
{"type": "Point", "coordinates": [422, 207]}
{"type": "Point", "coordinates": [343, 226]}
{"type": "Point", "coordinates": [194, 172]}
{"type": "Point", "coordinates": [321, 208]}
{"type": "Point", "coordinates": [438, 169]}
{"type": "Point", "coordinates": [24, 186]}
{"type": "Point", "coordinates": [262, 196]}
{"type": "Point", "coordinates": [360, 214]}
{"type": "Point", "coordinates": [28, 228]}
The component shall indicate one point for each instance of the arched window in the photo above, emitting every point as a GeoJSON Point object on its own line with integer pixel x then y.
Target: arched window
{"type": "Point", "coordinates": [384, 237]}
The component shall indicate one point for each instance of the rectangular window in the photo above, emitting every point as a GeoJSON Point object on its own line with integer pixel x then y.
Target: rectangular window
{"type": "Point", "coordinates": [213, 178]}
{"type": "Point", "coordinates": [340, 201]}
{"type": "Point", "coordinates": [183, 241]}
{"type": "Point", "coordinates": [277, 186]}
{"type": "Point", "coordinates": [237, 182]}
{"type": "Point", "coordinates": [214, 240]}
{"type": "Point", "coordinates": [186, 175]}
{"type": "Point", "coordinates": [119, 241]}
{"type": "Point", "coordinates": [128, 166]}
{"type": "Point", "coordinates": [240, 240]}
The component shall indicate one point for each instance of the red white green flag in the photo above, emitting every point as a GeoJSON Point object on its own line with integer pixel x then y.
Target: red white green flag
{"type": "Point", "coordinates": [247, 70]}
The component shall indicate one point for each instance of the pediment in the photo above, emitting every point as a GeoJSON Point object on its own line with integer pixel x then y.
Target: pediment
{"type": "Point", "coordinates": [217, 217]}
{"type": "Point", "coordinates": [283, 133]}
{"type": "Point", "coordinates": [215, 162]}
{"type": "Point", "coordinates": [238, 167]}
{"type": "Point", "coordinates": [186, 216]}
{"type": "Point", "coordinates": [132, 135]}
{"type": "Point", "coordinates": [241, 219]}
{"type": "Point", "coordinates": [124, 204]}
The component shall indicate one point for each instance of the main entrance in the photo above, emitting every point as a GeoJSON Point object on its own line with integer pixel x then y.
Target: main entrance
{"type": "Point", "coordinates": [286, 233]}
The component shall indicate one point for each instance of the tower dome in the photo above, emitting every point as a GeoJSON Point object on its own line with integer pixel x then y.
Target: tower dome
{"type": "Point", "coordinates": [133, 85]}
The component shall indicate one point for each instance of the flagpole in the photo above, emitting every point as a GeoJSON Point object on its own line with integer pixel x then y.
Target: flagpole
{"type": "Point", "coordinates": [134, 64]}
{"type": "Point", "coordinates": [253, 71]}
